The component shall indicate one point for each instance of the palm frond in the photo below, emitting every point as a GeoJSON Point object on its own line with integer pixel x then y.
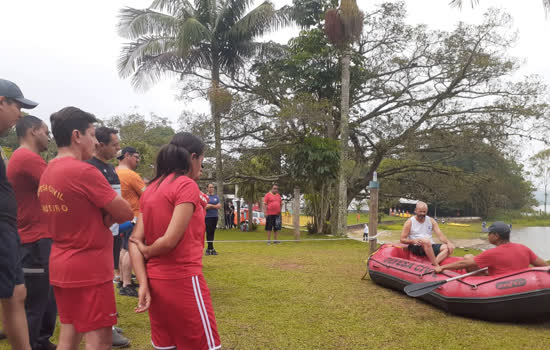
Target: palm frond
{"type": "Point", "coordinates": [135, 23]}
{"type": "Point", "coordinates": [192, 33]}
{"type": "Point", "coordinates": [458, 3]}
{"type": "Point", "coordinates": [546, 4]}
{"type": "Point", "coordinates": [230, 13]}
{"type": "Point", "coordinates": [205, 12]}
{"type": "Point", "coordinates": [255, 23]}
{"type": "Point", "coordinates": [135, 53]}
{"type": "Point", "coordinates": [153, 69]}
{"type": "Point", "coordinates": [173, 7]}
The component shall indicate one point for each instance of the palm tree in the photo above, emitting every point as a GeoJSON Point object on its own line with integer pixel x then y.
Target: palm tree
{"type": "Point", "coordinates": [202, 38]}
{"type": "Point", "coordinates": [343, 27]}
{"type": "Point", "coordinates": [458, 3]}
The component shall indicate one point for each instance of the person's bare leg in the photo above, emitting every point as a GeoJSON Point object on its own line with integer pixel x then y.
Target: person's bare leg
{"type": "Point", "coordinates": [275, 236]}
{"type": "Point", "coordinates": [443, 254]}
{"type": "Point", "coordinates": [100, 339]}
{"type": "Point", "coordinates": [69, 338]}
{"type": "Point", "coordinates": [427, 246]}
{"type": "Point", "coordinates": [126, 272]}
{"type": "Point", "coordinates": [15, 319]}
{"type": "Point", "coordinates": [268, 236]}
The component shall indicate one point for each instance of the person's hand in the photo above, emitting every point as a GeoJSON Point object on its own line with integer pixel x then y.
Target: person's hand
{"type": "Point", "coordinates": [417, 242]}
{"type": "Point", "coordinates": [144, 249]}
{"type": "Point", "coordinates": [438, 269]}
{"type": "Point", "coordinates": [144, 298]}
{"type": "Point", "coordinates": [451, 247]}
{"type": "Point", "coordinates": [108, 220]}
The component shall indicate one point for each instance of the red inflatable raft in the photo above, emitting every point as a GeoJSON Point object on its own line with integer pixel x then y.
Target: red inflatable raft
{"type": "Point", "coordinates": [516, 296]}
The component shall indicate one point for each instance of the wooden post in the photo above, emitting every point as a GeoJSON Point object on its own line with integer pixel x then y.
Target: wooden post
{"type": "Point", "coordinates": [296, 213]}
{"type": "Point", "coordinates": [374, 186]}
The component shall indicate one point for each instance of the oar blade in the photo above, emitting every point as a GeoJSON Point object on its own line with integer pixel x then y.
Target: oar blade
{"type": "Point", "coordinates": [420, 289]}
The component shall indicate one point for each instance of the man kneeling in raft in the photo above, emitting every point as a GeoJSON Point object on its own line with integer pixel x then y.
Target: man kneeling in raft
{"type": "Point", "coordinates": [417, 233]}
{"type": "Point", "coordinates": [505, 257]}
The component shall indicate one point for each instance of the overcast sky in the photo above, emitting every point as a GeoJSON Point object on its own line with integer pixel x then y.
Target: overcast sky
{"type": "Point", "coordinates": [64, 52]}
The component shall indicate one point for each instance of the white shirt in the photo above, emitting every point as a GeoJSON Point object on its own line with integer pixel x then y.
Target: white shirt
{"type": "Point", "coordinates": [421, 230]}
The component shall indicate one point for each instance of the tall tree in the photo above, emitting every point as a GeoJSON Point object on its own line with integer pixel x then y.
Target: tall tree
{"type": "Point", "coordinates": [541, 166]}
{"type": "Point", "coordinates": [343, 27]}
{"type": "Point", "coordinates": [203, 38]}
{"type": "Point", "coordinates": [459, 3]}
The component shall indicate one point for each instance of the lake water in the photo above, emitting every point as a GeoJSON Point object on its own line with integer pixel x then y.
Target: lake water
{"type": "Point", "coordinates": [536, 238]}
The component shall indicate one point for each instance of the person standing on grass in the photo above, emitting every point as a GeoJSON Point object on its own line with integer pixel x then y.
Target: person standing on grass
{"type": "Point", "coordinates": [12, 282]}
{"type": "Point", "coordinates": [132, 187]}
{"type": "Point", "coordinates": [166, 249]}
{"type": "Point", "coordinates": [211, 219]}
{"type": "Point", "coordinates": [272, 209]}
{"type": "Point", "coordinates": [106, 149]}
{"type": "Point", "coordinates": [26, 167]}
{"type": "Point", "coordinates": [79, 206]}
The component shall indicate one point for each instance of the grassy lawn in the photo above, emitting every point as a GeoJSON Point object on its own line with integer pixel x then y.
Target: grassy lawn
{"type": "Point", "coordinates": [309, 295]}
{"type": "Point", "coordinates": [364, 218]}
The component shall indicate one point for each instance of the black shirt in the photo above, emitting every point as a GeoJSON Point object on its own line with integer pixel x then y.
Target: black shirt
{"type": "Point", "coordinates": [108, 170]}
{"type": "Point", "coordinates": [8, 205]}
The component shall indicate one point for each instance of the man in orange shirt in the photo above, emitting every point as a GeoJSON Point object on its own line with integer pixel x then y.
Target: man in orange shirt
{"type": "Point", "coordinates": [131, 187]}
{"type": "Point", "coordinates": [272, 209]}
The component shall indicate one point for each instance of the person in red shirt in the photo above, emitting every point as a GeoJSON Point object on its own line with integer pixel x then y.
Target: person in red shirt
{"type": "Point", "coordinates": [24, 171]}
{"type": "Point", "coordinates": [504, 258]}
{"type": "Point", "coordinates": [166, 251]}
{"type": "Point", "coordinates": [79, 206]}
{"type": "Point", "coordinates": [272, 210]}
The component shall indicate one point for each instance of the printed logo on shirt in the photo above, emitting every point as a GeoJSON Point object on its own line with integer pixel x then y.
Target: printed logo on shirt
{"type": "Point", "coordinates": [53, 208]}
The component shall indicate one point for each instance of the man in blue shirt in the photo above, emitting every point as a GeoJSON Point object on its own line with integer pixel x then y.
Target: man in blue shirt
{"type": "Point", "coordinates": [211, 219]}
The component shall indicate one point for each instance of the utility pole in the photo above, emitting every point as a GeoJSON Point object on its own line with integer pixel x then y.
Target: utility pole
{"type": "Point", "coordinates": [374, 186]}
{"type": "Point", "coordinates": [296, 213]}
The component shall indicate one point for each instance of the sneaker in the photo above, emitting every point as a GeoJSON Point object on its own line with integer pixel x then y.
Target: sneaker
{"type": "Point", "coordinates": [276, 242]}
{"type": "Point", "coordinates": [119, 341]}
{"type": "Point", "coordinates": [128, 291]}
{"type": "Point", "coordinates": [119, 284]}
{"type": "Point", "coordinates": [207, 252]}
{"type": "Point", "coordinates": [268, 242]}
{"type": "Point", "coordinates": [47, 346]}
{"type": "Point", "coordinates": [116, 279]}
{"type": "Point", "coordinates": [2, 334]}
{"type": "Point", "coordinates": [213, 252]}
{"type": "Point", "coordinates": [118, 330]}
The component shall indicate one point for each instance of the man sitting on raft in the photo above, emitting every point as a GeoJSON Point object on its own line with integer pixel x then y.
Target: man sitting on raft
{"type": "Point", "coordinates": [505, 257]}
{"type": "Point", "coordinates": [417, 233]}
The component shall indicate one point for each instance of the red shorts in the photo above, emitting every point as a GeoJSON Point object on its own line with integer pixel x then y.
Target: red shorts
{"type": "Point", "coordinates": [181, 315]}
{"type": "Point", "coordinates": [87, 308]}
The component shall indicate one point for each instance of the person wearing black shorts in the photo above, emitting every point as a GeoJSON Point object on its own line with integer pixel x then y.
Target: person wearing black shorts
{"type": "Point", "coordinates": [272, 208]}
{"type": "Point", "coordinates": [12, 282]}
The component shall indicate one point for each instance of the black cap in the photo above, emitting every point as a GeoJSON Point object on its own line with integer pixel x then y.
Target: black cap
{"type": "Point", "coordinates": [125, 150]}
{"type": "Point", "coordinates": [500, 228]}
{"type": "Point", "coordinates": [10, 90]}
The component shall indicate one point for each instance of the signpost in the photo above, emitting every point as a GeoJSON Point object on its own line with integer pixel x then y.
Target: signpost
{"type": "Point", "coordinates": [374, 186]}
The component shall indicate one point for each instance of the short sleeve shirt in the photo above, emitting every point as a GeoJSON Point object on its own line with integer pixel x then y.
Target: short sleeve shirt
{"type": "Point", "coordinates": [8, 205]}
{"type": "Point", "coordinates": [72, 194]}
{"type": "Point", "coordinates": [273, 203]}
{"type": "Point", "coordinates": [24, 172]}
{"type": "Point", "coordinates": [212, 199]}
{"type": "Point", "coordinates": [505, 258]}
{"type": "Point", "coordinates": [157, 206]}
{"type": "Point", "coordinates": [131, 186]}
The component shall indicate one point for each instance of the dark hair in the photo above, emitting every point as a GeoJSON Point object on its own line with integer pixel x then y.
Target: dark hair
{"type": "Point", "coordinates": [68, 119]}
{"type": "Point", "coordinates": [175, 157]}
{"type": "Point", "coordinates": [26, 123]}
{"type": "Point", "coordinates": [103, 134]}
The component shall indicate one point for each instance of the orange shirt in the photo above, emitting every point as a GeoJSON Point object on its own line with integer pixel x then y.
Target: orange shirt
{"type": "Point", "coordinates": [131, 187]}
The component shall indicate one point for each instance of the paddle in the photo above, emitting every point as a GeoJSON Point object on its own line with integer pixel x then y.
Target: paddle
{"type": "Point", "coordinates": [419, 289]}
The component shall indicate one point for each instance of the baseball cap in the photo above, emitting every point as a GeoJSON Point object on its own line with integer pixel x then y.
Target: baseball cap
{"type": "Point", "coordinates": [11, 90]}
{"type": "Point", "coordinates": [125, 150]}
{"type": "Point", "coordinates": [501, 228]}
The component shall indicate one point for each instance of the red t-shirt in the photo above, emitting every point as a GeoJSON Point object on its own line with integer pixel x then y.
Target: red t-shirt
{"type": "Point", "coordinates": [273, 203]}
{"type": "Point", "coordinates": [157, 205]}
{"type": "Point", "coordinates": [72, 194]}
{"type": "Point", "coordinates": [505, 258]}
{"type": "Point", "coordinates": [24, 171]}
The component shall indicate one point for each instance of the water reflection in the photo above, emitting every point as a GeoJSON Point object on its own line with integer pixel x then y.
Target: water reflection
{"type": "Point", "coordinates": [536, 238]}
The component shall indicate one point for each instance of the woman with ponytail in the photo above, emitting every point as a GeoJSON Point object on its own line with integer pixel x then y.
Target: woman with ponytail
{"type": "Point", "coordinates": [166, 250]}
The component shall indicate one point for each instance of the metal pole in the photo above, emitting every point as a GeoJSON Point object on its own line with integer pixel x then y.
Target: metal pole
{"type": "Point", "coordinates": [374, 186]}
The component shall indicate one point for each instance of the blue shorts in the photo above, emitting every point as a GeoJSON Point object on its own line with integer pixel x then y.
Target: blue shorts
{"type": "Point", "coordinates": [11, 270]}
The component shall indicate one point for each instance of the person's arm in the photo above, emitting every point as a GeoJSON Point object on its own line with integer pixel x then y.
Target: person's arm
{"type": "Point", "coordinates": [118, 211]}
{"type": "Point", "coordinates": [442, 237]}
{"type": "Point", "coordinates": [539, 262]}
{"type": "Point", "coordinates": [265, 205]}
{"type": "Point", "coordinates": [178, 224]}
{"type": "Point", "coordinates": [405, 234]}
{"type": "Point", "coordinates": [138, 264]}
{"type": "Point", "coordinates": [466, 263]}
{"type": "Point", "coordinates": [138, 185]}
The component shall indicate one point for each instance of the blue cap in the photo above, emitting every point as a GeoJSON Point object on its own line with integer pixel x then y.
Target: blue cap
{"type": "Point", "coordinates": [10, 90]}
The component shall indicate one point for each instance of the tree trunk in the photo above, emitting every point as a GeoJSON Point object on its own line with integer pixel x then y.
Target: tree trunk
{"type": "Point", "coordinates": [344, 121]}
{"type": "Point", "coordinates": [216, 118]}
{"type": "Point", "coordinates": [296, 213]}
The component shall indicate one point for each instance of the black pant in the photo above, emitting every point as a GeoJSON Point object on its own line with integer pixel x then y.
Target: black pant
{"type": "Point", "coordinates": [40, 304]}
{"type": "Point", "coordinates": [210, 230]}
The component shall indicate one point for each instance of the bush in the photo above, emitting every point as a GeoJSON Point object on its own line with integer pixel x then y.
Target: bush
{"type": "Point", "coordinates": [311, 228]}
